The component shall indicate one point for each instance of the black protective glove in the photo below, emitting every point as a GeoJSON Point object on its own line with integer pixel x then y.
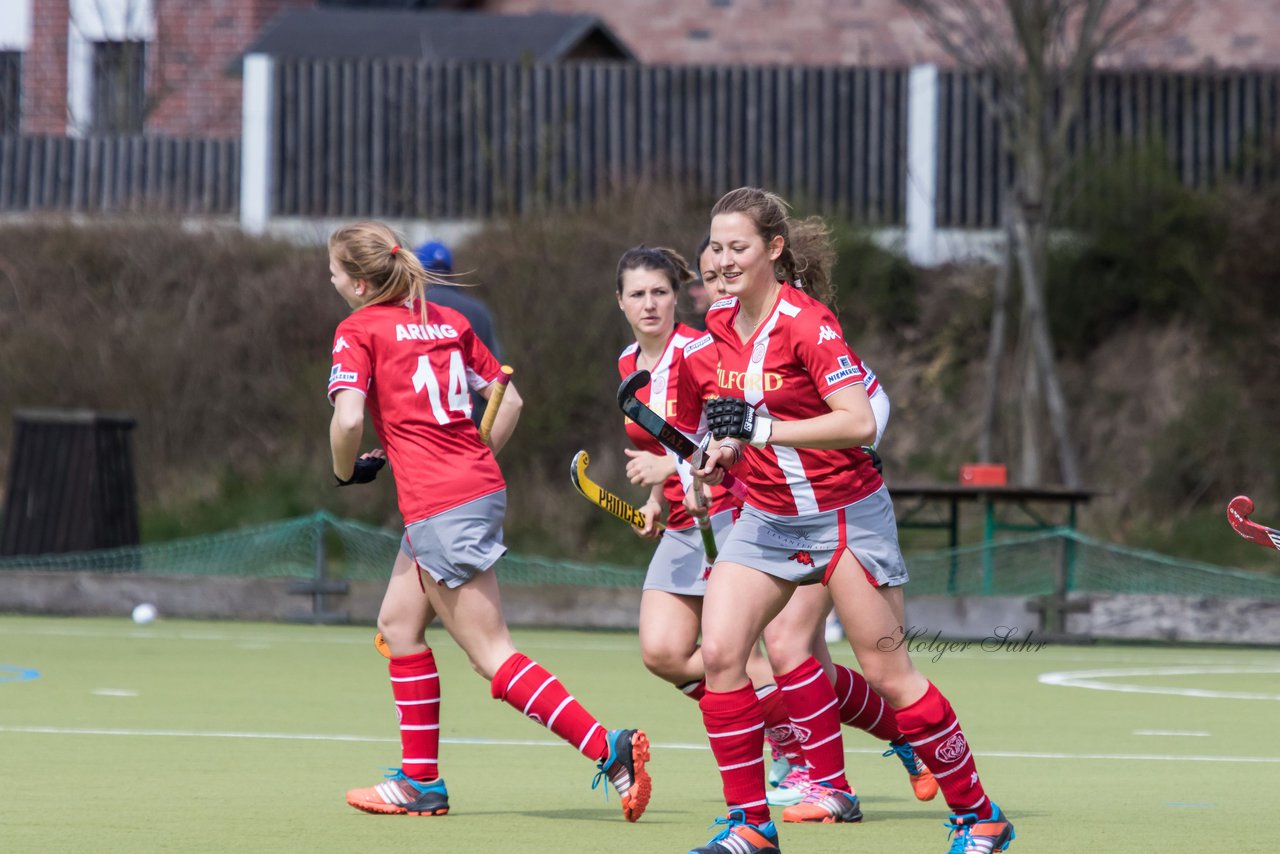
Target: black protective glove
{"type": "Point", "coordinates": [875, 460]}
{"type": "Point", "coordinates": [367, 469]}
{"type": "Point", "coordinates": [731, 418]}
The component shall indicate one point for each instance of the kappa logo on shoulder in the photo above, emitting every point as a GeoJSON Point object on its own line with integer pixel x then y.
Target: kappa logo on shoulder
{"type": "Point", "coordinates": [695, 346]}
{"type": "Point", "coordinates": [341, 345]}
{"type": "Point", "coordinates": [826, 333]}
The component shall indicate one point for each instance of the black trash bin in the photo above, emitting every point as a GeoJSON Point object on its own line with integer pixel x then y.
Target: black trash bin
{"type": "Point", "coordinates": [71, 483]}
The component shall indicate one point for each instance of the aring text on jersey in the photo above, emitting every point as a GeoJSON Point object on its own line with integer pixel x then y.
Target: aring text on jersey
{"type": "Point", "coordinates": [424, 331]}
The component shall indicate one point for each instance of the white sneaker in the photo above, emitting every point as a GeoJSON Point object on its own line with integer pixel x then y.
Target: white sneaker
{"type": "Point", "coordinates": [791, 790]}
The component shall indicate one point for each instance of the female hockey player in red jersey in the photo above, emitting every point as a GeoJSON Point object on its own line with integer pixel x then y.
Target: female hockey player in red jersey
{"type": "Point", "coordinates": [794, 409]}
{"type": "Point", "coordinates": [411, 365]}
{"type": "Point", "coordinates": [796, 634]}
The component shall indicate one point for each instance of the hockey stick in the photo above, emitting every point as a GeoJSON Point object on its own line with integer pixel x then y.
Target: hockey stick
{"type": "Point", "coordinates": [704, 523]}
{"type": "Point", "coordinates": [653, 424]}
{"type": "Point", "coordinates": [495, 400]}
{"type": "Point", "coordinates": [602, 498]}
{"type": "Point", "coordinates": [1238, 511]}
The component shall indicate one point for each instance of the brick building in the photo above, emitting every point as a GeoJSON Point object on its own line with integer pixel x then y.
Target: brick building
{"type": "Point", "coordinates": [1207, 34]}
{"type": "Point", "coordinates": [172, 66]}
{"type": "Point", "coordinates": [166, 66]}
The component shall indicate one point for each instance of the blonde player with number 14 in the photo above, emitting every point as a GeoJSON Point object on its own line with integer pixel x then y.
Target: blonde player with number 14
{"type": "Point", "coordinates": [410, 365]}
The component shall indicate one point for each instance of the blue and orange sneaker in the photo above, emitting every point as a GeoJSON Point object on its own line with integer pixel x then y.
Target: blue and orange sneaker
{"type": "Point", "coordinates": [972, 836]}
{"type": "Point", "coordinates": [922, 782]}
{"type": "Point", "coordinates": [402, 795]}
{"type": "Point", "coordinates": [825, 805]}
{"type": "Point", "coordinates": [624, 768]}
{"type": "Point", "coordinates": [740, 837]}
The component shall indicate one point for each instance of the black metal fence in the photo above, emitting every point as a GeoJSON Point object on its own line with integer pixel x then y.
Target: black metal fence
{"type": "Point", "coordinates": [1214, 127]}
{"type": "Point", "coordinates": [405, 138]}
{"type": "Point", "coordinates": [408, 139]}
{"type": "Point", "coordinates": [119, 173]}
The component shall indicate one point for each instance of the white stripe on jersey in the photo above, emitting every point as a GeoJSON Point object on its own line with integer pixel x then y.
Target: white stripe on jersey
{"type": "Point", "coordinates": [788, 460]}
{"type": "Point", "coordinates": [660, 379]}
{"type": "Point", "coordinates": [797, 480]}
{"type": "Point", "coordinates": [475, 382]}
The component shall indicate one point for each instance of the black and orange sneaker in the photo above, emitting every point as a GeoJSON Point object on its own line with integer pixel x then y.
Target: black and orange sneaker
{"type": "Point", "coordinates": [969, 835]}
{"type": "Point", "coordinates": [740, 837]}
{"type": "Point", "coordinates": [922, 782]}
{"type": "Point", "coordinates": [824, 805]}
{"type": "Point", "coordinates": [402, 795]}
{"type": "Point", "coordinates": [624, 768]}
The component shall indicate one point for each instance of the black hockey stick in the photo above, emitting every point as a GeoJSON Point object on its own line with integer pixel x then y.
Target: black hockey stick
{"type": "Point", "coordinates": [653, 424]}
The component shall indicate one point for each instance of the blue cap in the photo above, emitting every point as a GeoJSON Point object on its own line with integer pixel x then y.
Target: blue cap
{"type": "Point", "coordinates": [435, 256]}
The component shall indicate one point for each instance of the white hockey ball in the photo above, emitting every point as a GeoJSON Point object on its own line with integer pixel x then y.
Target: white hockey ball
{"type": "Point", "coordinates": [144, 613]}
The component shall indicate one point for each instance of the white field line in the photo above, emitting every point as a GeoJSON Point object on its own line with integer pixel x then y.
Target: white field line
{"type": "Point", "coordinates": [1093, 680]}
{"type": "Point", "coordinates": [260, 641]}
{"type": "Point", "coordinates": [1172, 732]}
{"type": "Point", "coordinates": [502, 742]}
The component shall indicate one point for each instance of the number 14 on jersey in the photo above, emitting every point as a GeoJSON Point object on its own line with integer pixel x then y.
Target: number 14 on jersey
{"type": "Point", "coordinates": [459, 397]}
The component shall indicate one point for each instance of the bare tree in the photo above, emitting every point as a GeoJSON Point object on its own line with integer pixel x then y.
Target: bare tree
{"type": "Point", "coordinates": [1030, 59]}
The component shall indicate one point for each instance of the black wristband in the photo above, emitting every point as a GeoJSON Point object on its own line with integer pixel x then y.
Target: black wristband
{"type": "Point", "coordinates": [366, 469]}
{"type": "Point", "coordinates": [875, 460]}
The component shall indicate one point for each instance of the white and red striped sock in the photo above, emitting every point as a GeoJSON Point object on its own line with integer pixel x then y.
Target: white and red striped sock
{"type": "Point", "coordinates": [862, 708]}
{"type": "Point", "coordinates": [934, 731]}
{"type": "Point", "coordinates": [415, 684]}
{"type": "Point", "coordinates": [811, 704]}
{"type": "Point", "coordinates": [735, 729]}
{"type": "Point", "coordinates": [536, 693]}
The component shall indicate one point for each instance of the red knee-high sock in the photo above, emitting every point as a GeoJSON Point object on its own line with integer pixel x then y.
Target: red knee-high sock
{"type": "Point", "coordinates": [536, 693]}
{"type": "Point", "coordinates": [811, 703]}
{"type": "Point", "coordinates": [862, 708]}
{"type": "Point", "coordinates": [933, 730]}
{"type": "Point", "coordinates": [415, 684]}
{"type": "Point", "coordinates": [694, 690]}
{"type": "Point", "coordinates": [735, 729]}
{"type": "Point", "coordinates": [777, 723]}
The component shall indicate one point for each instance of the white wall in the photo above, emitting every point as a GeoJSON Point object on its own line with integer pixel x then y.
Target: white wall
{"type": "Point", "coordinates": [15, 24]}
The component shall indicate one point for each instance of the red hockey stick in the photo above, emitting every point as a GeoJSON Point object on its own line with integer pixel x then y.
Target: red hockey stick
{"type": "Point", "coordinates": [1238, 515]}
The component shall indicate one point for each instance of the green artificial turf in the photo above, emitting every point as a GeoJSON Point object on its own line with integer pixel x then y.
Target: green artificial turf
{"type": "Point", "coordinates": [221, 737]}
